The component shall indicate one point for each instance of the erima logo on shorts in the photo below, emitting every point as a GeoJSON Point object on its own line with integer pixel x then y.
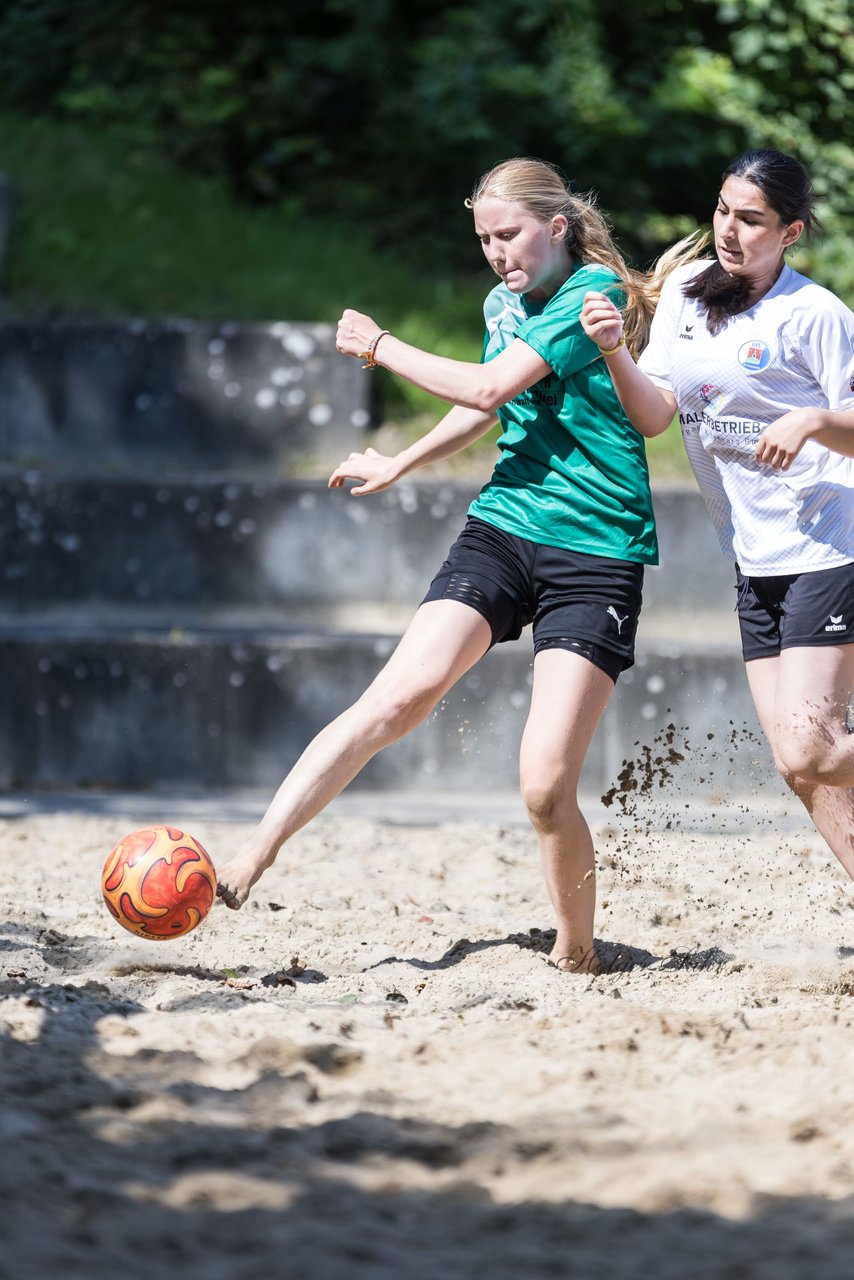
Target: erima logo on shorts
{"type": "Point", "coordinates": [754, 356]}
{"type": "Point", "coordinates": [836, 624]}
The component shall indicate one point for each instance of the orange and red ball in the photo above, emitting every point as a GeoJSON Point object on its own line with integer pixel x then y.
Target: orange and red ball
{"type": "Point", "coordinates": [159, 883]}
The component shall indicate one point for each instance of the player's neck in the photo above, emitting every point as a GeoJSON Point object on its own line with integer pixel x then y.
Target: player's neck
{"type": "Point", "coordinates": [759, 288]}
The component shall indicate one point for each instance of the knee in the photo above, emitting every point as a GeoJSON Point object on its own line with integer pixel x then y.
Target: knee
{"type": "Point", "coordinates": [804, 760]}
{"type": "Point", "coordinates": [393, 712]}
{"type": "Point", "coordinates": [546, 799]}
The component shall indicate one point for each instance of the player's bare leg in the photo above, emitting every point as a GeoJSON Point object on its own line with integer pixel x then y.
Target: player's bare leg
{"type": "Point", "coordinates": [802, 700]}
{"type": "Point", "coordinates": [444, 639]}
{"type": "Point", "coordinates": [567, 702]}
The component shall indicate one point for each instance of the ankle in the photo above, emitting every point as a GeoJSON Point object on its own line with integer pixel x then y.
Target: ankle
{"type": "Point", "coordinates": [575, 957]}
{"type": "Point", "coordinates": [257, 854]}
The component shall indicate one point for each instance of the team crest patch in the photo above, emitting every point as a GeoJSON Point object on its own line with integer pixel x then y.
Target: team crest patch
{"type": "Point", "coordinates": [709, 393]}
{"type": "Point", "coordinates": [754, 356]}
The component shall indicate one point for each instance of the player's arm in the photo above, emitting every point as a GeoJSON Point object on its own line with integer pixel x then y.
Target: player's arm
{"type": "Point", "coordinates": [782, 441]}
{"type": "Point", "coordinates": [483, 387]}
{"type": "Point", "coordinates": [649, 408]}
{"type": "Point", "coordinates": [459, 428]}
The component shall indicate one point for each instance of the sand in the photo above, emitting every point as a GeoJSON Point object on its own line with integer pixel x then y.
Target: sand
{"type": "Point", "coordinates": [370, 1071]}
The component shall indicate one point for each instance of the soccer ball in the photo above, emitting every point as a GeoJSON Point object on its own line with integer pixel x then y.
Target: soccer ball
{"type": "Point", "coordinates": [159, 883]}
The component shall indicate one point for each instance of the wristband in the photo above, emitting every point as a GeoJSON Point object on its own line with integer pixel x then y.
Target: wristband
{"type": "Point", "coordinates": [370, 356]}
{"type": "Point", "coordinates": [610, 351]}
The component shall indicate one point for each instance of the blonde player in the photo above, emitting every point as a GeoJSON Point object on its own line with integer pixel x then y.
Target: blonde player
{"type": "Point", "coordinates": [558, 538]}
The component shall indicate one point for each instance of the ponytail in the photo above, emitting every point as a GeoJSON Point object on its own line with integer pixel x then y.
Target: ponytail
{"type": "Point", "coordinates": [720, 295]}
{"type": "Point", "coordinates": [643, 289]}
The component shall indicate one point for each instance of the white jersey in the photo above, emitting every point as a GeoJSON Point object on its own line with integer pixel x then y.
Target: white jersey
{"type": "Point", "coordinates": [794, 348]}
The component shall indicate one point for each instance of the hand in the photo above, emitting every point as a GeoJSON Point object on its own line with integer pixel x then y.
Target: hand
{"type": "Point", "coordinates": [376, 472]}
{"type": "Point", "coordinates": [782, 441]}
{"type": "Point", "coordinates": [355, 333]}
{"type": "Point", "coordinates": [601, 320]}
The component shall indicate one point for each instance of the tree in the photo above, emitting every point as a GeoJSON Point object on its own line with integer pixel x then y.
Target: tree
{"type": "Point", "coordinates": [387, 112]}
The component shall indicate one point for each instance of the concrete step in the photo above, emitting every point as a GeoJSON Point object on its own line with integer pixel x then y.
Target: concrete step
{"type": "Point", "coordinates": [679, 627]}
{"type": "Point", "coordinates": [200, 630]}
{"type": "Point", "coordinates": [165, 396]}
{"type": "Point", "coordinates": [140, 706]}
{"type": "Point", "coordinates": [183, 807]}
{"type": "Point", "coordinates": [208, 540]}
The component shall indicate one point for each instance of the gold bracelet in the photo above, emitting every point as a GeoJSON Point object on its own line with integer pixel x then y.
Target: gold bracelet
{"type": "Point", "coordinates": [610, 351]}
{"type": "Point", "coordinates": [370, 356]}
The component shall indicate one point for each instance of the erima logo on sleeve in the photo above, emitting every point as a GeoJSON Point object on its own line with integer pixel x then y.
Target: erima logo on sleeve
{"type": "Point", "coordinates": [836, 624]}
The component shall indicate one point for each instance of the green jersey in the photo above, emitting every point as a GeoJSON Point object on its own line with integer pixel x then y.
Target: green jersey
{"type": "Point", "coordinates": [572, 471]}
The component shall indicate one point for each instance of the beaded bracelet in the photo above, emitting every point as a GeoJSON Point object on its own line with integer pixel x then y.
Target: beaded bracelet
{"type": "Point", "coordinates": [610, 351]}
{"type": "Point", "coordinates": [370, 356]}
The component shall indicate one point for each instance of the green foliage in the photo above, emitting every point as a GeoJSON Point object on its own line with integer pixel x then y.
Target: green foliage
{"type": "Point", "coordinates": [785, 80]}
{"type": "Point", "coordinates": [390, 112]}
{"type": "Point", "coordinates": [668, 461]}
{"type": "Point", "coordinates": [320, 144]}
{"type": "Point", "coordinates": [107, 230]}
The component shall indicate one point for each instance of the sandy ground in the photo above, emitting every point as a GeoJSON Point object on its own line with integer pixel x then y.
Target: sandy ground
{"type": "Point", "coordinates": [371, 1072]}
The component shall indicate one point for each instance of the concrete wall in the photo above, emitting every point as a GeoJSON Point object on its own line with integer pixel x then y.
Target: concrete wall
{"type": "Point", "coordinates": [143, 707]}
{"type": "Point", "coordinates": [177, 607]}
{"type": "Point", "coordinates": [207, 540]}
{"type": "Point", "coordinates": [167, 396]}
{"type": "Point", "coordinates": [189, 632]}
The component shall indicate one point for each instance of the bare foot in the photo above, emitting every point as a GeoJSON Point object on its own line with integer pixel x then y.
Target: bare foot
{"type": "Point", "coordinates": [236, 878]}
{"type": "Point", "coordinates": [579, 960]}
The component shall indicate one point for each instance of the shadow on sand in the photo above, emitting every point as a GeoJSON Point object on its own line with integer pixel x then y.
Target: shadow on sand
{"type": "Point", "coordinates": [130, 1165]}
{"type": "Point", "coordinates": [614, 957]}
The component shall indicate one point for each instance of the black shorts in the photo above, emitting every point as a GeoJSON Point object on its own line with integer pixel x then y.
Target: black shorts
{"type": "Point", "coordinates": [795, 610]}
{"type": "Point", "coordinates": [586, 604]}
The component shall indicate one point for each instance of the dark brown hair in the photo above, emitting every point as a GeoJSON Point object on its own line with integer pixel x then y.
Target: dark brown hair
{"type": "Point", "coordinates": [786, 186]}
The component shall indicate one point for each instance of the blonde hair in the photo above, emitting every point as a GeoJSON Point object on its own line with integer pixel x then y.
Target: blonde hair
{"type": "Point", "coordinates": [541, 188]}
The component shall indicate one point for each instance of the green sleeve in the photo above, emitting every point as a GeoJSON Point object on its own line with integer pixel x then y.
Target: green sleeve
{"type": "Point", "coordinates": [556, 334]}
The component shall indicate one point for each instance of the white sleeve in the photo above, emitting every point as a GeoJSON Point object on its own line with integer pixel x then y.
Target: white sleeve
{"type": "Point", "coordinates": [657, 357]}
{"type": "Point", "coordinates": [827, 347]}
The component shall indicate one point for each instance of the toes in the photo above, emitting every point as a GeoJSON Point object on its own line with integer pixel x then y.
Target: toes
{"type": "Point", "coordinates": [229, 897]}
